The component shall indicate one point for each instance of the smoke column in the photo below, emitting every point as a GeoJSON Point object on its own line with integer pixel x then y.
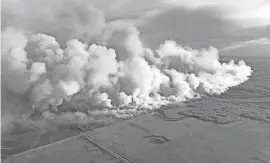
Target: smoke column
{"type": "Point", "coordinates": [62, 59]}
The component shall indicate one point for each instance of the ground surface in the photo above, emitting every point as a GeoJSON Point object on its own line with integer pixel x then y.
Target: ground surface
{"type": "Point", "coordinates": [164, 137]}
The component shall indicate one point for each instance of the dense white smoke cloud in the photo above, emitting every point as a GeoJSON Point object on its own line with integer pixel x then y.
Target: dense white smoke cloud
{"type": "Point", "coordinates": [41, 73]}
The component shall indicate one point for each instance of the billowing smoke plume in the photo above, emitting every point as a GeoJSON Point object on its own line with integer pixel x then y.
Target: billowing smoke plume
{"type": "Point", "coordinates": [51, 65]}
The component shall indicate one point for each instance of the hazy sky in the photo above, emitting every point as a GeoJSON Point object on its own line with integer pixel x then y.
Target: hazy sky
{"type": "Point", "coordinates": [198, 23]}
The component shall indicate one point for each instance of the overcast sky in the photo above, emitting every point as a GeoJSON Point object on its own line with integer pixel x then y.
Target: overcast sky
{"type": "Point", "coordinates": [198, 23]}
